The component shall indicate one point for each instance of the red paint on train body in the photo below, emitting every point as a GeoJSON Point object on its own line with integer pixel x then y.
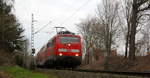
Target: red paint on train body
{"type": "Point", "coordinates": [61, 47]}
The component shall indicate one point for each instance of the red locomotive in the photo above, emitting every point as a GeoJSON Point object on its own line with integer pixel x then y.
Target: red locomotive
{"type": "Point", "coordinates": [64, 49]}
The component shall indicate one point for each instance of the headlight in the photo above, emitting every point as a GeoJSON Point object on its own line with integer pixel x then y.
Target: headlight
{"type": "Point", "coordinates": [77, 55]}
{"type": "Point", "coordinates": [62, 50]}
{"type": "Point", "coordinates": [60, 54]}
{"type": "Point", "coordinates": [74, 50]}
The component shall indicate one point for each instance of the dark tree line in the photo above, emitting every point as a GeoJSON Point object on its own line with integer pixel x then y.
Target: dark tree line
{"type": "Point", "coordinates": [11, 36]}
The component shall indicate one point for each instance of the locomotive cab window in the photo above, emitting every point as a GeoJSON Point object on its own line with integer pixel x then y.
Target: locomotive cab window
{"type": "Point", "coordinates": [49, 44]}
{"type": "Point", "coordinates": [69, 39]}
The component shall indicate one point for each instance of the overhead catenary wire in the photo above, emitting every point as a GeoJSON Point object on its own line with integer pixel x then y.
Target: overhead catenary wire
{"type": "Point", "coordinates": [75, 12]}
{"type": "Point", "coordinates": [43, 27]}
{"type": "Point", "coordinates": [66, 18]}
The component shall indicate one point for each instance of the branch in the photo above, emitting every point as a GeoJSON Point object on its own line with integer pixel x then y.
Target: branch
{"type": "Point", "coordinates": [142, 2]}
{"type": "Point", "coordinates": [146, 8]}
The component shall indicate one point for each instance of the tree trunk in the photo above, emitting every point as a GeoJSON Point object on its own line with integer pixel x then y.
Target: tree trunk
{"type": "Point", "coordinates": [108, 47]}
{"type": "Point", "coordinates": [133, 32]}
{"type": "Point", "coordinates": [127, 40]}
{"type": "Point", "coordinates": [126, 47]}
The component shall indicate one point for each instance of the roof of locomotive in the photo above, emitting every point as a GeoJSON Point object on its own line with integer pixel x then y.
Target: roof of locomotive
{"type": "Point", "coordinates": [59, 35]}
{"type": "Point", "coordinates": [66, 33]}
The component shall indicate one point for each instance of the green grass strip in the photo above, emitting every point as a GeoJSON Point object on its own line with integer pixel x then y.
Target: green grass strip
{"type": "Point", "coordinates": [18, 72]}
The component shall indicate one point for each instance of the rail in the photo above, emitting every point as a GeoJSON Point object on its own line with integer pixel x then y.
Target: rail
{"type": "Point", "coordinates": [128, 73]}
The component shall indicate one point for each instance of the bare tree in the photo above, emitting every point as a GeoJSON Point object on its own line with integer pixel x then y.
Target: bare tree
{"type": "Point", "coordinates": [108, 16]}
{"type": "Point", "coordinates": [138, 14]}
{"type": "Point", "coordinates": [127, 10]}
{"type": "Point", "coordinates": [85, 29]}
{"type": "Point", "coordinates": [92, 32]}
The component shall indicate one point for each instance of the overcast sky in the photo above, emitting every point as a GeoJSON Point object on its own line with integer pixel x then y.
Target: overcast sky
{"type": "Point", "coordinates": [64, 13]}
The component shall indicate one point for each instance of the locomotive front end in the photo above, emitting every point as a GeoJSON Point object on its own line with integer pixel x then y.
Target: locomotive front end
{"type": "Point", "coordinates": [69, 50]}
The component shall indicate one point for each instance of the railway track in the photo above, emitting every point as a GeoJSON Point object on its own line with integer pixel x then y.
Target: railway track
{"type": "Point", "coordinates": [124, 74]}
{"type": "Point", "coordinates": [131, 73]}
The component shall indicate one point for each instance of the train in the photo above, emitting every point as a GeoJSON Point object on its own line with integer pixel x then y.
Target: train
{"type": "Point", "coordinates": [62, 50]}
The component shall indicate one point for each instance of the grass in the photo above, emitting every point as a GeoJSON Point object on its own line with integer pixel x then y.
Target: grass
{"type": "Point", "coordinates": [18, 72]}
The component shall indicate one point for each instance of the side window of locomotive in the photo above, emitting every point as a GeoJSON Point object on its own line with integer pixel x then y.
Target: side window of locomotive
{"type": "Point", "coordinates": [69, 39]}
{"type": "Point", "coordinates": [49, 44]}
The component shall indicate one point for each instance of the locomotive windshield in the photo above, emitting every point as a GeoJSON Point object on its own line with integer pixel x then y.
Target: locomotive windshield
{"type": "Point", "coordinates": [69, 39]}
